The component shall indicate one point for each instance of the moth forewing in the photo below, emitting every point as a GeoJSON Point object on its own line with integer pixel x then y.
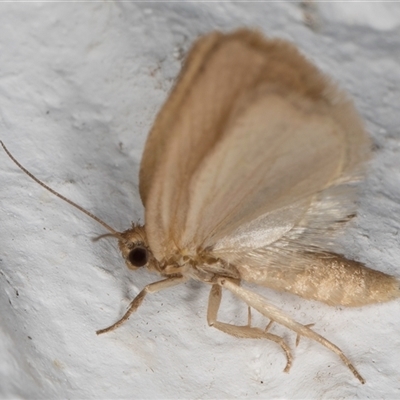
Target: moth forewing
{"type": "Point", "coordinates": [284, 168]}
{"type": "Point", "coordinates": [223, 113]}
{"type": "Point", "coordinates": [157, 139]}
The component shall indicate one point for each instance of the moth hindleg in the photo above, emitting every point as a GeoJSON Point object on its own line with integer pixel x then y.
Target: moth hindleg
{"type": "Point", "coordinates": [245, 331]}
{"type": "Point", "coordinates": [260, 304]}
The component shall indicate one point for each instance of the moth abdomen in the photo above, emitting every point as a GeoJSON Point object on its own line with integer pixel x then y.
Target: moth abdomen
{"type": "Point", "coordinates": [350, 283]}
{"type": "Point", "coordinates": [330, 278]}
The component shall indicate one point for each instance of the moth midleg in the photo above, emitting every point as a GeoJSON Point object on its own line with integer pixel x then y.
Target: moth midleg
{"type": "Point", "coordinates": [245, 331]}
{"type": "Point", "coordinates": [260, 304]}
{"type": "Point", "coordinates": [137, 301]}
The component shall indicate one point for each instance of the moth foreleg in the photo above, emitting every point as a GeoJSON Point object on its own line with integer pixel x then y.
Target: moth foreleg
{"type": "Point", "coordinates": [260, 304]}
{"type": "Point", "coordinates": [245, 331]}
{"type": "Point", "coordinates": [137, 301]}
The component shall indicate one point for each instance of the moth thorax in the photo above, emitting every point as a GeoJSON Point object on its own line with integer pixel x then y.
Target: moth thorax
{"type": "Point", "coordinates": [177, 264]}
{"type": "Point", "coordinates": [208, 269]}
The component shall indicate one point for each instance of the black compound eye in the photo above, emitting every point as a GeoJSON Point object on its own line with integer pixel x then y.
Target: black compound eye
{"type": "Point", "coordinates": [138, 256]}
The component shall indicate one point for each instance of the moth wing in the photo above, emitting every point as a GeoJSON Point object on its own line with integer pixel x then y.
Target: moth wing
{"type": "Point", "coordinates": [163, 129]}
{"type": "Point", "coordinates": [276, 154]}
{"type": "Point", "coordinates": [190, 123]}
{"type": "Point", "coordinates": [310, 234]}
{"type": "Point", "coordinates": [258, 130]}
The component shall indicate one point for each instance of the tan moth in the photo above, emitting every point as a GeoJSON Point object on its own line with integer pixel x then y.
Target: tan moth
{"type": "Point", "coordinates": [248, 174]}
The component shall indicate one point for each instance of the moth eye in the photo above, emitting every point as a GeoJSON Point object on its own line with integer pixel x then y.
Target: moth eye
{"type": "Point", "coordinates": [138, 256]}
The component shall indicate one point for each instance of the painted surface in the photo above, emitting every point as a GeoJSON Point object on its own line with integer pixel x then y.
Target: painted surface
{"type": "Point", "coordinates": [80, 85]}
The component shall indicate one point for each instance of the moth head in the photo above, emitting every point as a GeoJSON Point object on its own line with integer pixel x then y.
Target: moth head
{"type": "Point", "coordinates": [135, 249]}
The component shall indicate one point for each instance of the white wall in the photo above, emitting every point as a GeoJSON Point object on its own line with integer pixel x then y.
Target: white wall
{"type": "Point", "coordinates": [80, 85]}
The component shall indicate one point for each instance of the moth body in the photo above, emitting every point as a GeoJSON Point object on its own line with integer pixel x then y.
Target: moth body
{"type": "Point", "coordinates": [248, 174]}
{"type": "Point", "coordinates": [325, 277]}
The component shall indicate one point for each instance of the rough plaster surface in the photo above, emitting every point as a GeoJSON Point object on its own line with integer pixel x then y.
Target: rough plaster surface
{"type": "Point", "coordinates": [80, 85]}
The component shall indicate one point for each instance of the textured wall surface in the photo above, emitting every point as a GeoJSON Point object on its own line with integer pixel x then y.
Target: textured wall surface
{"type": "Point", "coordinates": [80, 85]}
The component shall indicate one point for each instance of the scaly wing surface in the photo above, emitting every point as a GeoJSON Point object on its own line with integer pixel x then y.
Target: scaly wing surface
{"type": "Point", "coordinates": [251, 134]}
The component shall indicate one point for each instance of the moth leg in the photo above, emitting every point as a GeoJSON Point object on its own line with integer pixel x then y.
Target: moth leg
{"type": "Point", "coordinates": [269, 325]}
{"type": "Point", "coordinates": [260, 304]}
{"type": "Point", "coordinates": [137, 301]}
{"type": "Point", "coordinates": [299, 336]}
{"type": "Point", "coordinates": [267, 328]}
{"type": "Point", "coordinates": [246, 331]}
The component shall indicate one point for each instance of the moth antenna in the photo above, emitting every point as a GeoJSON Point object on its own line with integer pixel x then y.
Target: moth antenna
{"type": "Point", "coordinates": [104, 235]}
{"type": "Point", "coordinates": [108, 227]}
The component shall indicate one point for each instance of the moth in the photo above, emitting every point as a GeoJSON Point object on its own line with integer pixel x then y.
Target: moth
{"type": "Point", "coordinates": [248, 174]}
